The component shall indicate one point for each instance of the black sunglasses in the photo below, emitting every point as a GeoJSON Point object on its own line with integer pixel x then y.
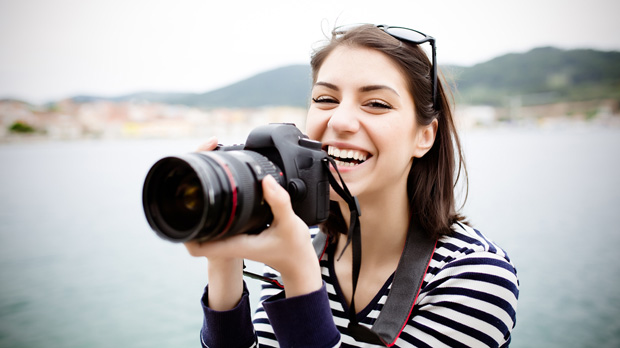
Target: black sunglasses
{"type": "Point", "coordinates": [407, 35]}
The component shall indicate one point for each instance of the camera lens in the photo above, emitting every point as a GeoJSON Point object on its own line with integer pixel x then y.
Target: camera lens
{"type": "Point", "coordinates": [208, 196]}
{"type": "Point", "coordinates": [180, 198]}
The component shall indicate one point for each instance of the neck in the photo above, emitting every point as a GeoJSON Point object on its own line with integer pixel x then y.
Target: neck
{"type": "Point", "coordinates": [384, 224]}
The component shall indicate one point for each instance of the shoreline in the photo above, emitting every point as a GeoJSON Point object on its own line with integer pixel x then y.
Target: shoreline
{"type": "Point", "coordinates": [235, 131]}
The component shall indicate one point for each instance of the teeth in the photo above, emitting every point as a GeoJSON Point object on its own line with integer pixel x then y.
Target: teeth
{"type": "Point", "coordinates": [344, 164]}
{"type": "Point", "coordinates": [343, 153]}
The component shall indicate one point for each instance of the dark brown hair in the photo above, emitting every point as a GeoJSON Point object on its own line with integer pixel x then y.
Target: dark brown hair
{"type": "Point", "coordinates": [431, 182]}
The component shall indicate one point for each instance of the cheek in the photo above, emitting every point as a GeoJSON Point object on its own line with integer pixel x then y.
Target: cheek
{"type": "Point", "coordinates": [315, 126]}
{"type": "Point", "coordinates": [398, 139]}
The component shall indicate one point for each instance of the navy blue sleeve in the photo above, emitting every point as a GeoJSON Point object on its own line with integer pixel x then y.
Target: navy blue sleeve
{"type": "Point", "coordinates": [229, 329]}
{"type": "Point", "coordinates": [303, 321]}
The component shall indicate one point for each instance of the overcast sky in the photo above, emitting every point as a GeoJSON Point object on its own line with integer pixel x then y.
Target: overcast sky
{"type": "Point", "coordinates": [54, 49]}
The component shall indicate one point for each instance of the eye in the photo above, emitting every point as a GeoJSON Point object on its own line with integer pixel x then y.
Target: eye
{"type": "Point", "coordinates": [378, 104]}
{"type": "Point", "coordinates": [325, 100]}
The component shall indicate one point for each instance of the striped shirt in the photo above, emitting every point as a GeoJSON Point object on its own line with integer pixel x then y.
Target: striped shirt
{"type": "Point", "coordinates": [468, 299]}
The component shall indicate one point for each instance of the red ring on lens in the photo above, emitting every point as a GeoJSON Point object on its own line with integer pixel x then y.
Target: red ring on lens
{"type": "Point", "coordinates": [233, 187]}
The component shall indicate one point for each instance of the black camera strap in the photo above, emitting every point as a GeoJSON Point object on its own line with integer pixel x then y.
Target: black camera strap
{"type": "Point", "coordinates": [354, 237]}
{"type": "Point", "coordinates": [408, 277]}
{"type": "Point", "coordinates": [406, 286]}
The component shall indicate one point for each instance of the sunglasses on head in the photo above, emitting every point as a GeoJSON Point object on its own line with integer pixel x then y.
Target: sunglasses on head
{"type": "Point", "coordinates": [406, 35]}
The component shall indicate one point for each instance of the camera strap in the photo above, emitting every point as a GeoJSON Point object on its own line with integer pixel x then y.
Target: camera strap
{"type": "Point", "coordinates": [407, 282]}
{"type": "Point", "coordinates": [408, 278]}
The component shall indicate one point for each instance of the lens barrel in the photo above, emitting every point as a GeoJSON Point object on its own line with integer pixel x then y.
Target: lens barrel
{"type": "Point", "coordinates": [208, 195]}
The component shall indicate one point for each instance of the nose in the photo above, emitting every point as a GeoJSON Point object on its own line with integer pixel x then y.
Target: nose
{"type": "Point", "coordinates": [344, 119]}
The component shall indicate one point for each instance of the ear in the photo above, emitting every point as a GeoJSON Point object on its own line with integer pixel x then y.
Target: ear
{"type": "Point", "coordinates": [426, 138]}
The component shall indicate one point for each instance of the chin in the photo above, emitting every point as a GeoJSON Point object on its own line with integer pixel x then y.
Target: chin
{"type": "Point", "coordinates": [333, 196]}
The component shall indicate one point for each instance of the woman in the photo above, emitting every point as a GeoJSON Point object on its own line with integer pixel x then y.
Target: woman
{"type": "Point", "coordinates": [380, 112]}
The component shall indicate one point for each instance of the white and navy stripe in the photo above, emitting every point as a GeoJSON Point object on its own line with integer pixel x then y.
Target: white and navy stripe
{"type": "Point", "coordinates": [468, 298]}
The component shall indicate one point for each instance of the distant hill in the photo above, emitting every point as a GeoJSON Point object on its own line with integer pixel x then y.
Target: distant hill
{"type": "Point", "coordinates": [542, 75]}
{"type": "Point", "coordinates": [286, 86]}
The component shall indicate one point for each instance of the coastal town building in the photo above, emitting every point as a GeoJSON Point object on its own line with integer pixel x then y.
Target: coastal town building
{"type": "Point", "coordinates": [69, 120]}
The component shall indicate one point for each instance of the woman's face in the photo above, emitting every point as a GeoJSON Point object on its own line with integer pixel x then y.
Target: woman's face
{"type": "Point", "coordinates": [363, 114]}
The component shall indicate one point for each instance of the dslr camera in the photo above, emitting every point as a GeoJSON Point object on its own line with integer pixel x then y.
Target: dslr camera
{"type": "Point", "coordinates": [212, 195]}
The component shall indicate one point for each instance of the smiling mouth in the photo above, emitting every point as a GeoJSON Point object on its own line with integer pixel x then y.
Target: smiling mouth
{"type": "Point", "coordinates": [347, 157]}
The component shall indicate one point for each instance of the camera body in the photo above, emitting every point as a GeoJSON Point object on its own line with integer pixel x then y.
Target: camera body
{"type": "Point", "coordinates": [303, 173]}
{"type": "Point", "coordinates": [212, 195]}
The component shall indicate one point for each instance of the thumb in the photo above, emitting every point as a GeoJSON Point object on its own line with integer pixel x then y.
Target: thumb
{"type": "Point", "coordinates": [276, 196]}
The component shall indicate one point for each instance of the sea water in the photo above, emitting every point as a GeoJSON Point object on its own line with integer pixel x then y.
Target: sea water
{"type": "Point", "coordinates": [80, 267]}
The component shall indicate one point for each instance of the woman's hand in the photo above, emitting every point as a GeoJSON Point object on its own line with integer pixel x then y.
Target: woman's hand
{"type": "Point", "coordinates": [285, 245]}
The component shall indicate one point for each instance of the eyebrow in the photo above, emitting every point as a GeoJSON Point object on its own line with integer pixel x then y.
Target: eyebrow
{"type": "Point", "coordinates": [378, 87]}
{"type": "Point", "coordinates": [369, 88]}
{"type": "Point", "coordinates": [328, 85]}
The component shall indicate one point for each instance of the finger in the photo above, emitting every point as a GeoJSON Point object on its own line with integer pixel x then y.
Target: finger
{"type": "Point", "coordinates": [208, 145]}
{"type": "Point", "coordinates": [277, 197]}
{"type": "Point", "coordinates": [227, 248]}
{"type": "Point", "coordinates": [193, 248]}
